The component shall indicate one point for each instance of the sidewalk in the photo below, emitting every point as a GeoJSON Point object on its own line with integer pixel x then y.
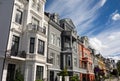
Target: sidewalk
{"type": "Point", "coordinates": [113, 79]}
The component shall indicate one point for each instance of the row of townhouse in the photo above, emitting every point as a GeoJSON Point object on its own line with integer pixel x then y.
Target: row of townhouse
{"type": "Point", "coordinates": [40, 45]}
{"type": "Point", "coordinates": [106, 65]}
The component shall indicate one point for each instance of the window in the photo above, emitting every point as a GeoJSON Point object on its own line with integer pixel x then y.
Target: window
{"type": "Point", "coordinates": [75, 62]}
{"type": "Point", "coordinates": [52, 56]}
{"type": "Point", "coordinates": [40, 47]}
{"type": "Point", "coordinates": [53, 39]}
{"type": "Point", "coordinates": [35, 22]}
{"type": "Point", "coordinates": [39, 73]}
{"type": "Point", "coordinates": [85, 65]}
{"type": "Point", "coordinates": [58, 42]}
{"type": "Point", "coordinates": [44, 30]}
{"type": "Point", "coordinates": [58, 60]}
{"type": "Point", "coordinates": [32, 43]}
{"type": "Point", "coordinates": [33, 3]}
{"type": "Point", "coordinates": [67, 43]}
{"type": "Point", "coordinates": [38, 7]}
{"type": "Point", "coordinates": [52, 35]}
{"type": "Point", "coordinates": [18, 17]}
{"type": "Point", "coordinates": [15, 45]}
{"type": "Point", "coordinates": [69, 60]}
{"type": "Point", "coordinates": [75, 46]}
{"type": "Point", "coordinates": [85, 55]}
{"type": "Point", "coordinates": [80, 63]}
{"type": "Point", "coordinates": [10, 72]}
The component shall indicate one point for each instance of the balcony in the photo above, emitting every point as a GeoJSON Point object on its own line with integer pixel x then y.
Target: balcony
{"type": "Point", "coordinates": [20, 55]}
{"type": "Point", "coordinates": [36, 28]}
{"type": "Point", "coordinates": [50, 60]}
{"type": "Point", "coordinates": [85, 59]}
{"type": "Point", "coordinates": [67, 49]}
{"type": "Point", "coordinates": [70, 33]}
{"type": "Point", "coordinates": [83, 70]}
{"type": "Point", "coordinates": [36, 57]}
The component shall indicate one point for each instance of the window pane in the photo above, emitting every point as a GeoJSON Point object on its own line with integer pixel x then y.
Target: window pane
{"type": "Point", "coordinates": [41, 47]}
{"type": "Point", "coordinates": [51, 38]}
{"type": "Point", "coordinates": [39, 73]}
{"type": "Point", "coordinates": [35, 21]}
{"type": "Point", "coordinates": [15, 45]}
{"type": "Point", "coordinates": [75, 62]}
{"type": "Point", "coordinates": [18, 18]}
{"type": "Point", "coordinates": [58, 59]}
{"type": "Point", "coordinates": [69, 60]}
{"type": "Point", "coordinates": [33, 3]}
{"type": "Point", "coordinates": [58, 42]}
{"type": "Point", "coordinates": [32, 42]}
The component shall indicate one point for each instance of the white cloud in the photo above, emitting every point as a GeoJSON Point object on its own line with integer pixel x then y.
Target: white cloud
{"type": "Point", "coordinates": [108, 43]}
{"type": "Point", "coordinates": [116, 58]}
{"type": "Point", "coordinates": [111, 37]}
{"type": "Point", "coordinates": [116, 16]}
{"type": "Point", "coordinates": [109, 40]}
{"type": "Point", "coordinates": [97, 44]}
{"type": "Point", "coordinates": [103, 2]}
{"type": "Point", "coordinates": [82, 13]}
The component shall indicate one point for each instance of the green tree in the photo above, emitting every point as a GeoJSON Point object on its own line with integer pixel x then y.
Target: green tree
{"type": "Point", "coordinates": [18, 76]}
{"type": "Point", "coordinates": [38, 80]}
{"type": "Point", "coordinates": [118, 66]}
{"type": "Point", "coordinates": [64, 72]}
{"type": "Point", "coordinates": [74, 78]}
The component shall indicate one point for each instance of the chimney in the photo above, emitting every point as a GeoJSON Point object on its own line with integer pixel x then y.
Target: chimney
{"type": "Point", "coordinates": [56, 17]}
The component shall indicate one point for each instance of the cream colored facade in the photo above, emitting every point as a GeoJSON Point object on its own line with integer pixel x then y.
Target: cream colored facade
{"type": "Point", "coordinates": [31, 25]}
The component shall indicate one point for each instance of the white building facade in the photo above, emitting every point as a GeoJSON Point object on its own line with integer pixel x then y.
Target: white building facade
{"type": "Point", "coordinates": [23, 42]}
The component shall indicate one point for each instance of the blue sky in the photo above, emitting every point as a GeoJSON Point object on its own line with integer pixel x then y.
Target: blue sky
{"type": "Point", "coordinates": [97, 19]}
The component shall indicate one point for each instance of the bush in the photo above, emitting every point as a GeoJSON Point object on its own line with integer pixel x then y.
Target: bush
{"type": "Point", "coordinates": [64, 72]}
{"type": "Point", "coordinates": [74, 78]}
{"type": "Point", "coordinates": [18, 76]}
{"type": "Point", "coordinates": [39, 80]}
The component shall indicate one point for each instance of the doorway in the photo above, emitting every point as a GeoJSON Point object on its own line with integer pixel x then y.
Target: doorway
{"type": "Point", "coordinates": [51, 75]}
{"type": "Point", "coordinates": [10, 72]}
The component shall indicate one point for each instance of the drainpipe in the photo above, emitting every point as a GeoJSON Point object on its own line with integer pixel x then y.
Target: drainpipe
{"type": "Point", "coordinates": [48, 72]}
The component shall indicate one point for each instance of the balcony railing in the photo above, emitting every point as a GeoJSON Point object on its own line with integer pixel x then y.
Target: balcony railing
{"type": "Point", "coordinates": [70, 33]}
{"type": "Point", "coordinates": [67, 49]}
{"type": "Point", "coordinates": [50, 60]}
{"type": "Point", "coordinates": [36, 28]}
{"type": "Point", "coordinates": [21, 54]}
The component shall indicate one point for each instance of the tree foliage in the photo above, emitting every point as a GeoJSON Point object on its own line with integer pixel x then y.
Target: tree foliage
{"type": "Point", "coordinates": [18, 76]}
{"type": "Point", "coordinates": [118, 66]}
{"type": "Point", "coordinates": [74, 78]}
{"type": "Point", "coordinates": [39, 80]}
{"type": "Point", "coordinates": [64, 72]}
{"type": "Point", "coordinates": [114, 72]}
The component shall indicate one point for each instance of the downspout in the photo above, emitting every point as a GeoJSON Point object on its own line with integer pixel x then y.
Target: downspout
{"type": "Point", "coordinates": [48, 73]}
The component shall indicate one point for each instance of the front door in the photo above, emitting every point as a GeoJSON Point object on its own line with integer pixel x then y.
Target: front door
{"type": "Point", "coordinates": [10, 72]}
{"type": "Point", "coordinates": [51, 75]}
{"type": "Point", "coordinates": [84, 78]}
